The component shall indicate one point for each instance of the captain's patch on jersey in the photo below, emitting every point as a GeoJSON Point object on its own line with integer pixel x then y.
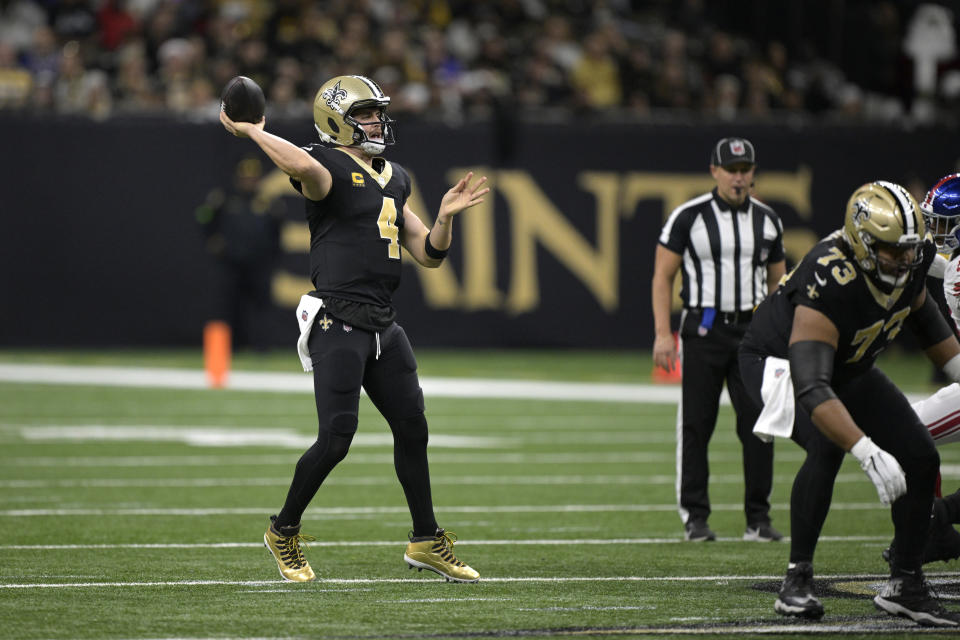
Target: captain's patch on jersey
{"type": "Point", "coordinates": [357, 179]}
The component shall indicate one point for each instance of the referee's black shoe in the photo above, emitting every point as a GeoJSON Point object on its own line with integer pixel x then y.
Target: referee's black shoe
{"type": "Point", "coordinates": [762, 532]}
{"type": "Point", "coordinates": [698, 531]}
{"type": "Point", "coordinates": [796, 595]}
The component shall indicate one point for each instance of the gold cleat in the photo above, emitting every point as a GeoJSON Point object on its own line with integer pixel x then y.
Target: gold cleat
{"type": "Point", "coordinates": [436, 554]}
{"type": "Point", "coordinates": [285, 548]}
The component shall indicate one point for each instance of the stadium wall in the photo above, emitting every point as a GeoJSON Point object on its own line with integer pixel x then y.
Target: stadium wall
{"type": "Point", "coordinates": [100, 246]}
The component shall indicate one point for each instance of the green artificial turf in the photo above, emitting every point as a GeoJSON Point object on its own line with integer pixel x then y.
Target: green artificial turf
{"type": "Point", "coordinates": [567, 509]}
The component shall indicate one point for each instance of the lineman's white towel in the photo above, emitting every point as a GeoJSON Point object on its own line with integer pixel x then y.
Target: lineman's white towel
{"type": "Point", "coordinates": [779, 407]}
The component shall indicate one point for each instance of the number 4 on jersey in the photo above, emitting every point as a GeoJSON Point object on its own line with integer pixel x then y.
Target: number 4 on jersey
{"type": "Point", "coordinates": [388, 227]}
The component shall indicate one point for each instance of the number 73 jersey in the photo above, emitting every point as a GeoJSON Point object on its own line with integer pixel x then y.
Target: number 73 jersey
{"type": "Point", "coordinates": [829, 280]}
{"type": "Point", "coordinates": [355, 248]}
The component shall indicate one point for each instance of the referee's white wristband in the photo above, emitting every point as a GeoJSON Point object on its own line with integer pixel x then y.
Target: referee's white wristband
{"type": "Point", "coordinates": [952, 368]}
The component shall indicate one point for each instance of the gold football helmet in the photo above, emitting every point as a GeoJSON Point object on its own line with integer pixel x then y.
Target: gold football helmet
{"type": "Point", "coordinates": [879, 215]}
{"type": "Point", "coordinates": [336, 102]}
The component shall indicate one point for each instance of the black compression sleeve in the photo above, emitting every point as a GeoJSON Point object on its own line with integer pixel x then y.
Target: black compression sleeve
{"type": "Point", "coordinates": [811, 368]}
{"type": "Point", "coordinates": [928, 324]}
{"type": "Point", "coordinates": [432, 251]}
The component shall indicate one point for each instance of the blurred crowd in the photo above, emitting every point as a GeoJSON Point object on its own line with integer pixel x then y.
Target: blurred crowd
{"type": "Point", "coordinates": [883, 61]}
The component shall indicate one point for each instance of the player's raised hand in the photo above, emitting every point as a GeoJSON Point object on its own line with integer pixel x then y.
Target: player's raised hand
{"type": "Point", "coordinates": [240, 129]}
{"type": "Point", "coordinates": [463, 195]}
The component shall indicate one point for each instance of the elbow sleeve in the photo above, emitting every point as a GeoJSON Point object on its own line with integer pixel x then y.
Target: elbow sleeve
{"type": "Point", "coordinates": [432, 251]}
{"type": "Point", "coordinates": [811, 368]}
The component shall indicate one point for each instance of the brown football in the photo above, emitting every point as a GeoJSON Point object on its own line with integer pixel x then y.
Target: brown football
{"type": "Point", "coordinates": [243, 100]}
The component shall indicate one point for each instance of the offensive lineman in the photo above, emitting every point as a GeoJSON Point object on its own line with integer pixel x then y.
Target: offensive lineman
{"type": "Point", "coordinates": [824, 328]}
{"type": "Point", "coordinates": [360, 223]}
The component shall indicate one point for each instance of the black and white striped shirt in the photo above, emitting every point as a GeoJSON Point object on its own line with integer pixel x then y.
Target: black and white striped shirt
{"type": "Point", "coordinates": [725, 253]}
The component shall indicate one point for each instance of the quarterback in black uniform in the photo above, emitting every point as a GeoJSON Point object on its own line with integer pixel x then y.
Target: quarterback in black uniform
{"type": "Point", "coordinates": [360, 224]}
{"type": "Point", "coordinates": [824, 328]}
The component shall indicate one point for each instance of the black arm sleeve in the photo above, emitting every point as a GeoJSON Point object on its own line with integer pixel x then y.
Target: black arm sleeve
{"type": "Point", "coordinates": [432, 251]}
{"type": "Point", "coordinates": [811, 368]}
{"type": "Point", "coordinates": [928, 324]}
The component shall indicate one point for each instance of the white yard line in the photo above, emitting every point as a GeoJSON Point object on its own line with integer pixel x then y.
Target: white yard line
{"type": "Point", "coordinates": [302, 383]}
{"type": "Point", "coordinates": [393, 543]}
{"type": "Point", "coordinates": [504, 579]}
{"type": "Point", "coordinates": [862, 626]}
{"type": "Point", "coordinates": [371, 481]}
{"type": "Point", "coordinates": [221, 436]}
{"type": "Point", "coordinates": [286, 460]}
{"type": "Point", "coordinates": [340, 512]}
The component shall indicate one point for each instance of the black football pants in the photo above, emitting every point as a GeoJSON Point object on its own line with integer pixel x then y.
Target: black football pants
{"type": "Point", "coordinates": [708, 362]}
{"type": "Point", "coordinates": [344, 359]}
{"type": "Point", "coordinates": [884, 414]}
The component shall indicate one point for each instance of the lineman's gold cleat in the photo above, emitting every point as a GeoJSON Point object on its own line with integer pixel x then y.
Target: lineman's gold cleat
{"type": "Point", "coordinates": [286, 551]}
{"type": "Point", "coordinates": [436, 554]}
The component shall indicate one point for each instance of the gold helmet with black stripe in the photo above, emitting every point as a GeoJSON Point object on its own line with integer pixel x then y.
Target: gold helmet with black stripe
{"type": "Point", "coordinates": [336, 103]}
{"type": "Point", "coordinates": [879, 215]}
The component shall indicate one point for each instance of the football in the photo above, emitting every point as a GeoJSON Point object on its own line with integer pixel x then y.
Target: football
{"type": "Point", "coordinates": [243, 100]}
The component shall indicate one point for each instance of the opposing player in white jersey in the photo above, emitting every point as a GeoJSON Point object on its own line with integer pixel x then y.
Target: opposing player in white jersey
{"type": "Point", "coordinates": [941, 411]}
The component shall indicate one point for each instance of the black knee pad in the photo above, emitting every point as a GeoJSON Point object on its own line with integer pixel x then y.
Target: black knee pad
{"type": "Point", "coordinates": [328, 450]}
{"type": "Point", "coordinates": [411, 430]}
{"type": "Point", "coordinates": [343, 425]}
{"type": "Point", "coordinates": [338, 439]}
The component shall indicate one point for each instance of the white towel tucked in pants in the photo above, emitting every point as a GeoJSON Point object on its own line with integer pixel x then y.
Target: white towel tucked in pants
{"type": "Point", "coordinates": [306, 315]}
{"type": "Point", "coordinates": [779, 407]}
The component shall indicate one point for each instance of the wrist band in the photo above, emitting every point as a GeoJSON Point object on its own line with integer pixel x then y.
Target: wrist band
{"type": "Point", "coordinates": [432, 251]}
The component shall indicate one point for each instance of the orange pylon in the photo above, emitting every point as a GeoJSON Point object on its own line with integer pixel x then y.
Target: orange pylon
{"type": "Point", "coordinates": [216, 352]}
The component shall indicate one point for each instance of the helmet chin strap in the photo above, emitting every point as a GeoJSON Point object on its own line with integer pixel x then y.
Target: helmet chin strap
{"type": "Point", "coordinates": [323, 136]}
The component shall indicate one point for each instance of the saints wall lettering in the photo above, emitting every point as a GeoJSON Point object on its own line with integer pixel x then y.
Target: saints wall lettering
{"type": "Point", "coordinates": [536, 222]}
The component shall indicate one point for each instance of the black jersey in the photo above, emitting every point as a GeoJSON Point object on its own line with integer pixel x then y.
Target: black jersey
{"type": "Point", "coordinates": [355, 251]}
{"type": "Point", "coordinates": [828, 280]}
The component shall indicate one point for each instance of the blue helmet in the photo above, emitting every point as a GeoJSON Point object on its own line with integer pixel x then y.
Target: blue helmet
{"type": "Point", "coordinates": [941, 209]}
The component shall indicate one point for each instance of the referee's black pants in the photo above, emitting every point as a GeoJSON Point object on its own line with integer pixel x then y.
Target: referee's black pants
{"type": "Point", "coordinates": [709, 361]}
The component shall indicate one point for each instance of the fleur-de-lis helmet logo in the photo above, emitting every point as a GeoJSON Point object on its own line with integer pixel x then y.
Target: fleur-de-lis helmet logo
{"type": "Point", "coordinates": [333, 95]}
{"type": "Point", "coordinates": [862, 213]}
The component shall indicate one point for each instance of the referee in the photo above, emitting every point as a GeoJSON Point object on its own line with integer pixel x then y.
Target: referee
{"type": "Point", "coordinates": [730, 246]}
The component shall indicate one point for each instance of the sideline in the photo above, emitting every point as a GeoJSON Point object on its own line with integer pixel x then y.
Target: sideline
{"type": "Point", "coordinates": [303, 383]}
{"type": "Point", "coordinates": [278, 382]}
